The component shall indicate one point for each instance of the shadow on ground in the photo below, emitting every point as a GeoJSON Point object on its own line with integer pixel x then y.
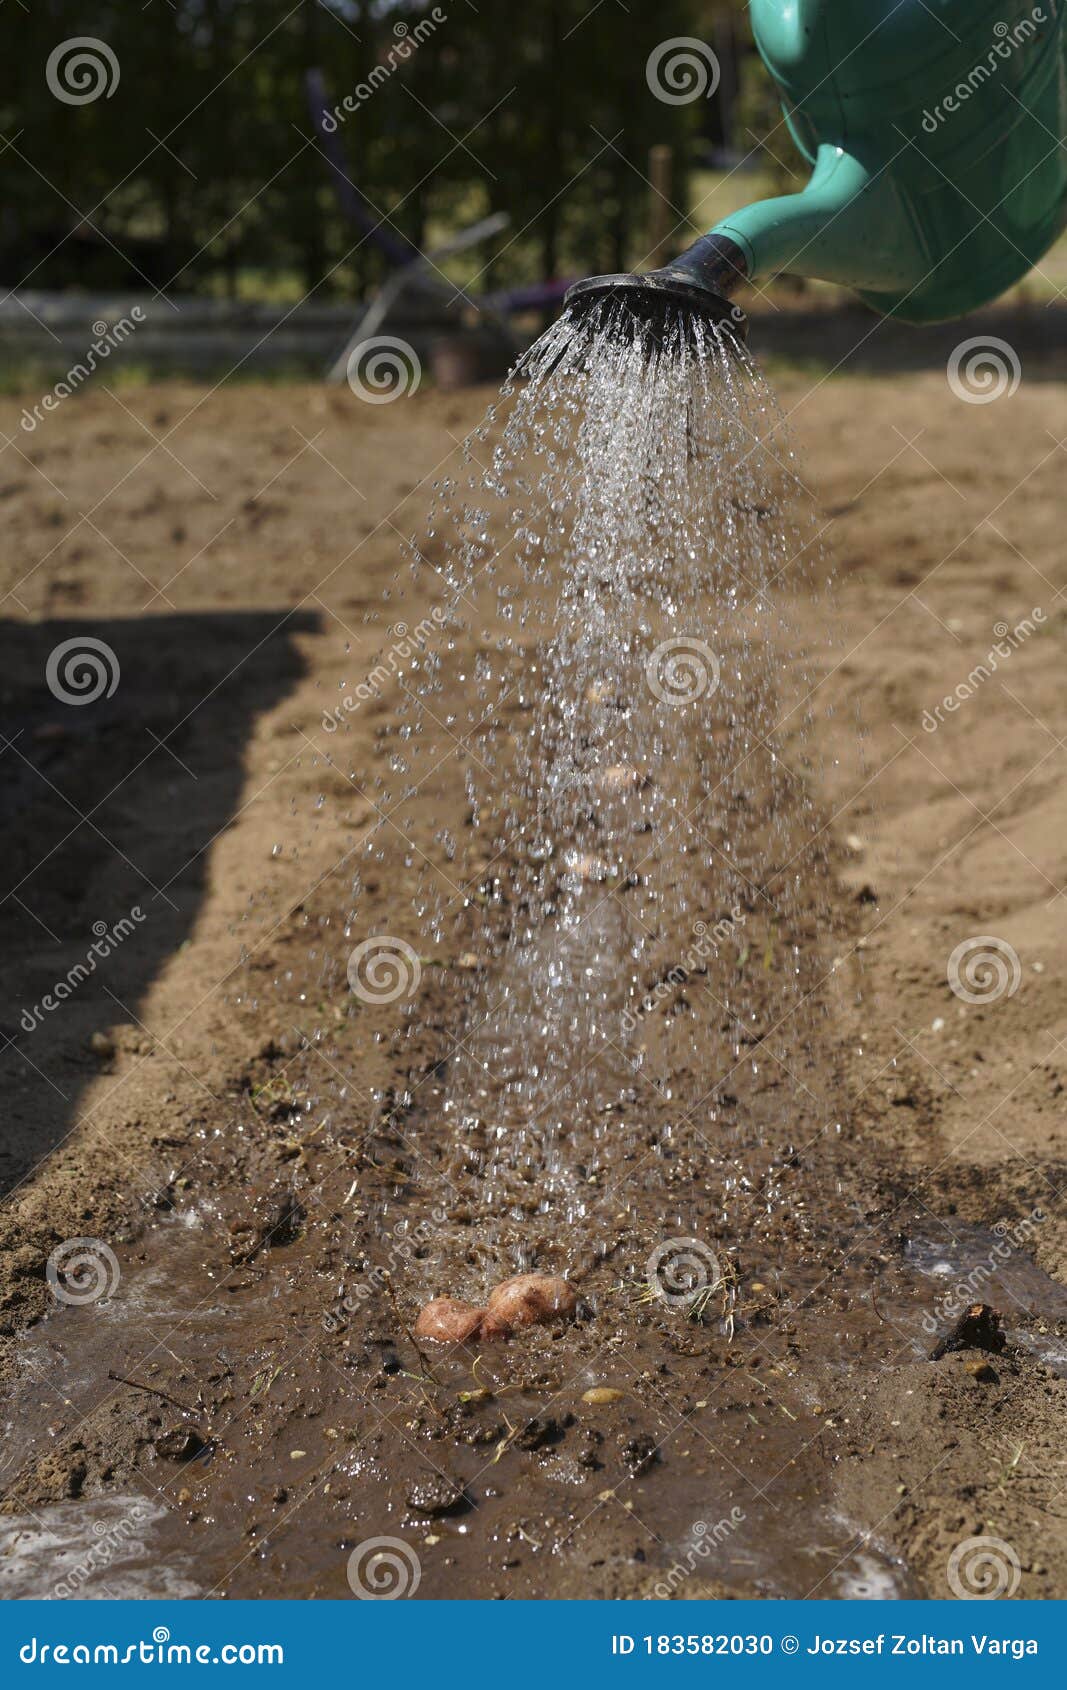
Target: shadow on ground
{"type": "Point", "coordinates": [108, 809]}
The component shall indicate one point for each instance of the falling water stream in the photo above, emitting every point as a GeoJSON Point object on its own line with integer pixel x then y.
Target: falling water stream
{"type": "Point", "coordinates": [622, 549]}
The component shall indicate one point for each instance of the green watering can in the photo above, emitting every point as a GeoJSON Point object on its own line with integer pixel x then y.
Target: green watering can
{"type": "Point", "coordinates": [937, 135]}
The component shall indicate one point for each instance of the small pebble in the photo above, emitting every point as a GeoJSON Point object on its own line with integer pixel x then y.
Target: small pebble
{"type": "Point", "coordinates": [539, 1432]}
{"type": "Point", "coordinates": [180, 1443]}
{"type": "Point", "coordinates": [982, 1371]}
{"type": "Point", "coordinates": [640, 1453]}
{"type": "Point", "coordinates": [586, 866]}
{"type": "Point", "coordinates": [620, 777]}
{"type": "Point", "coordinates": [437, 1495]}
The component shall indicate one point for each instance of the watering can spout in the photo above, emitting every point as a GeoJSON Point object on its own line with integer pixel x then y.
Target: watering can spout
{"type": "Point", "coordinates": [848, 225]}
{"type": "Point", "coordinates": [937, 140]}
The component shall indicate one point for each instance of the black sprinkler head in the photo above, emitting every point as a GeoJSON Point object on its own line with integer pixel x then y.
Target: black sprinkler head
{"type": "Point", "coordinates": [698, 283]}
{"type": "Point", "coordinates": [656, 301]}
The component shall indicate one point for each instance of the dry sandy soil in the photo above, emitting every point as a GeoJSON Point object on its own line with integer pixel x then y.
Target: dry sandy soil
{"type": "Point", "coordinates": [227, 545]}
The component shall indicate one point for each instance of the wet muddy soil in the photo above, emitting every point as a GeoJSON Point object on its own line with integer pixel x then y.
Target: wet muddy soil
{"type": "Point", "coordinates": [244, 1412]}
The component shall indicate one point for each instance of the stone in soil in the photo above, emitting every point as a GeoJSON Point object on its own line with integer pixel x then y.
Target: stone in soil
{"type": "Point", "coordinates": [447, 1320]}
{"type": "Point", "coordinates": [437, 1495]}
{"type": "Point", "coordinates": [531, 1299]}
{"type": "Point", "coordinates": [978, 1328]}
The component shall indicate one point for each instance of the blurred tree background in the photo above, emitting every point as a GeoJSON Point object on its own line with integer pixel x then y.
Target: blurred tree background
{"type": "Point", "coordinates": [202, 170]}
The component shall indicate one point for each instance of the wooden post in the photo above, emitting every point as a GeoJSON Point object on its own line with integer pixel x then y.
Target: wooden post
{"type": "Point", "coordinates": [661, 218]}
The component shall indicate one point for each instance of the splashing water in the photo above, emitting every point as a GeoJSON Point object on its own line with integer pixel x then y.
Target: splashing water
{"type": "Point", "coordinates": [613, 671]}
